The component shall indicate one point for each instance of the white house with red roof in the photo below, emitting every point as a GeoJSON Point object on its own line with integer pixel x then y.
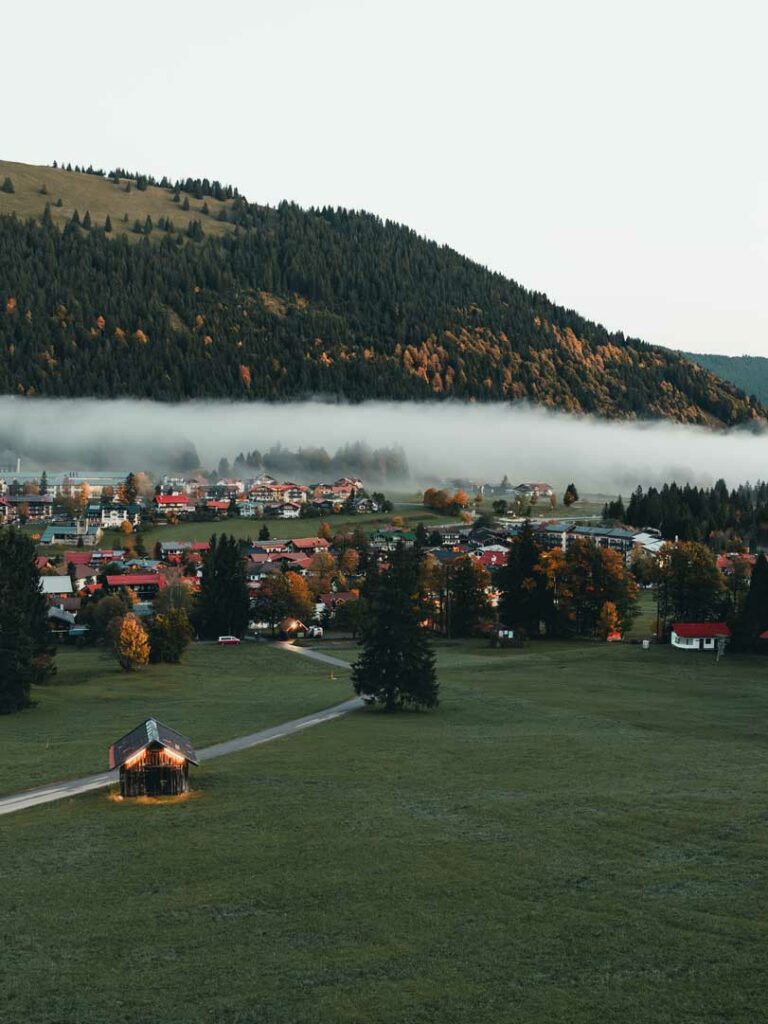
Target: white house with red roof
{"type": "Point", "coordinates": [172, 503]}
{"type": "Point", "coordinates": [698, 636]}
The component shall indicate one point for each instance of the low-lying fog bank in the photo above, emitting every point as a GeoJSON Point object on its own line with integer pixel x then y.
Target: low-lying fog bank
{"type": "Point", "coordinates": [480, 442]}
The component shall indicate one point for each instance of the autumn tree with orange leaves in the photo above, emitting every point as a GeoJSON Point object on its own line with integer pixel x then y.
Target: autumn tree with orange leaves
{"type": "Point", "coordinates": [583, 581]}
{"type": "Point", "coordinates": [131, 643]}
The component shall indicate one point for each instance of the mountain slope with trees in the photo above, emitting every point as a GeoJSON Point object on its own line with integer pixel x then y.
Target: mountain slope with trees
{"type": "Point", "coordinates": [196, 293]}
{"type": "Point", "coordinates": [749, 373]}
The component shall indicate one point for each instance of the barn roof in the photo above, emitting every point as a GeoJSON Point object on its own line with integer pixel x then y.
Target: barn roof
{"type": "Point", "coordinates": [150, 733]}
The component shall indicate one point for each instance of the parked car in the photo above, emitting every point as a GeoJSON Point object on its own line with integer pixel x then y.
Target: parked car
{"type": "Point", "coordinates": [228, 640]}
{"type": "Point", "coordinates": [316, 632]}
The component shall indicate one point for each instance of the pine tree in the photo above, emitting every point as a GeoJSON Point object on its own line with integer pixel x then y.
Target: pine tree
{"type": "Point", "coordinates": [571, 495]}
{"type": "Point", "coordinates": [396, 666]}
{"type": "Point", "coordinates": [130, 489]}
{"type": "Point", "coordinates": [224, 599]}
{"type": "Point", "coordinates": [468, 602]}
{"type": "Point", "coordinates": [7, 185]}
{"type": "Point", "coordinates": [185, 203]}
{"type": "Point", "coordinates": [44, 483]}
{"type": "Point", "coordinates": [264, 532]}
{"type": "Point", "coordinates": [75, 219]}
{"type": "Point", "coordinates": [87, 220]}
{"type": "Point", "coordinates": [525, 601]}
{"type": "Point", "coordinates": [108, 224]}
{"type": "Point", "coordinates": [753, 619]}
{"type": "Point", "coordinates": [148, 226]}
{"type": "Point", "coordinates": [25, 653]}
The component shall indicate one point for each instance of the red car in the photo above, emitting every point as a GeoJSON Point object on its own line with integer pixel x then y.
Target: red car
{"type": "Point", "coordinates": [228, 640]}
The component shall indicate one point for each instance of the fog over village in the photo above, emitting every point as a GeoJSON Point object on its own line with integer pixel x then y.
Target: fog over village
{"type": "Point", "coordinates": [441, 440]}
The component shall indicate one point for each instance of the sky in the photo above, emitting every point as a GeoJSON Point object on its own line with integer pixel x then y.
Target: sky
{"type": "Point", "coordinates": [612, 155]}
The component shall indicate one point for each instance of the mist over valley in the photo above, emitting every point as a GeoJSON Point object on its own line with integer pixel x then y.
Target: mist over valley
{"type": "Point", "coordinates": [479, 442]}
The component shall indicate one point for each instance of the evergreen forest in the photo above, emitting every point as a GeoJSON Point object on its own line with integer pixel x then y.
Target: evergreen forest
{"type": "Point", "coordinates": [255, 302]}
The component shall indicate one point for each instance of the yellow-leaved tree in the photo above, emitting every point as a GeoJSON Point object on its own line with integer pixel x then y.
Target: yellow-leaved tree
{"type": "Point", "coordinates": [131, 643]}
{"type": "Point", "coordinates": [608, 621]}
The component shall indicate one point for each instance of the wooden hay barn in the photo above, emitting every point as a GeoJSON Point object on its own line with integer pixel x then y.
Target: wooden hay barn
{"type": "Point", "coordinates": [153, 760]}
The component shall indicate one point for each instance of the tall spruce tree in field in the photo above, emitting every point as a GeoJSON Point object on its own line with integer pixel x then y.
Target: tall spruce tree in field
{"type": "Point", "coordinates": [224, 600]}
{"type": "Point", "coordinates": [468, 603]}
{"type": "Point", "coordinates": [25, 653]}
{"type": "Point", "coordinates": [396, 666]}
{"type": "Point", "coordinates": [525, 601]}
{"type": "Point", "coordinates": [754, 615]}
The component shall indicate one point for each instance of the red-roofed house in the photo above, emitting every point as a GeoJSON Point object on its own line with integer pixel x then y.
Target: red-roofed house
{"type": "Point", "coordinates": [78, 557]}
{"type": "Point", "coordinates": [216, 505]}
{"type": "Point", "coordinates": [492, 559]}
{"type": "Point", "coordinates": [172, 503]}
{"type": "Point", "coordinates": [285, 510]}
{"type": "Point", "coordinates": [727, 563]}
{"type": "Point", "coordinates": [144, 584]}
{"type": "Point", "coordinates": [698, 636]}
{"type": "Point", "coordinates": [334, 598]}
{"type": "Point", "coordinates": [308, 544]}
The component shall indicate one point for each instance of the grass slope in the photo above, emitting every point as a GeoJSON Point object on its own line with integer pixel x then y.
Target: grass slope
{"type": "Point", "coordinates": [101, 197]}
{"type": "Point", "coordinates": [578, 834]}
{"type": "Point", "coordinates": [215, 694]}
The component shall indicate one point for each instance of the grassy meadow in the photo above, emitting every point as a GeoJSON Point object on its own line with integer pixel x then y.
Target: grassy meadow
{"type": "Point", "coordinates": [578, 834]}
{"type": "Point", "coordinates": [215, 694]}
{"type": "Point", "coordinates": [102, 198]}
{"type": "Point", "coordinates": [285, 529]}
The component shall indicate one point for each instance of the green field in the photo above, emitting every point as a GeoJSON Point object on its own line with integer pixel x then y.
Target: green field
{"type": "Point", "coordinates": [644, 626]}
{"type": "Point", "coordinates": [577, 835]}
{"type": "Point", "coordinates": [215, 694]}
{"type": "Point", "coordinates": [282, 528]}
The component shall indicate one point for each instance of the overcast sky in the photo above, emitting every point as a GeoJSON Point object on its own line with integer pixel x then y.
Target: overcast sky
{"type": "Point", "coordinates": [610, 154]}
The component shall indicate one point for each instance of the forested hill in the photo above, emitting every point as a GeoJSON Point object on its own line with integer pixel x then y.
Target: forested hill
{"type": "Point", "coordinates": [115, 286]}
{"type": "Point", "coordinates": [750, 373]}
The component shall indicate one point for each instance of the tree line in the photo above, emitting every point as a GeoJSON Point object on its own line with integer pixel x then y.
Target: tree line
{"type": "Point", "coordinates": [725, 519]}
